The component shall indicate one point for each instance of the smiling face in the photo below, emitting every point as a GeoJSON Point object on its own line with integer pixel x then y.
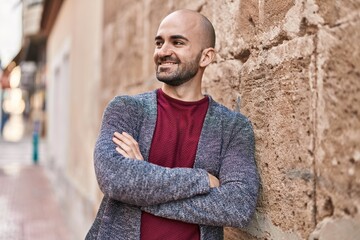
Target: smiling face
{"type": "Point", "coordinates": [178, 48]}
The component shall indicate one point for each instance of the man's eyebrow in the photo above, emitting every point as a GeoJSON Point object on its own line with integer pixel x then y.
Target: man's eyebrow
{"type": "Point", "coordinates": [179, 37]}
{"type": "Point", "coordinates": [173, 37]}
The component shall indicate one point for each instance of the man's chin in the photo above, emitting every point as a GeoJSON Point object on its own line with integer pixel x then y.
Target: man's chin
{"type": "Point", "coordinates": [165, 76]}
{"type": "Point", "coordinates": [172, 81]}
{"type": "Point", "coordinates": [169, 82]}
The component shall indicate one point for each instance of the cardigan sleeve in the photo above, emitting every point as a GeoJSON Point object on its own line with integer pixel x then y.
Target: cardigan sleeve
{"type": "Point", "coordinates": [138, 182]}
{"type": "Point", "coordinates": [233, 203]}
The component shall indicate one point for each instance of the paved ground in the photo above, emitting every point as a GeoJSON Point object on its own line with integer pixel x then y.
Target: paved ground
{"type": "Point", "coordinates": [28, 207]}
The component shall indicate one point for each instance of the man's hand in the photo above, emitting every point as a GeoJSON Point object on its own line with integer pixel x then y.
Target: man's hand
{"type": "Point", "coordinates": [214, 181]}
{"type": "Point", "coordinates": [127, 146]}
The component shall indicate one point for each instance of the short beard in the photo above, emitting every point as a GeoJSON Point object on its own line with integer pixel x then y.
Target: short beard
{"type": "Point", "coordinates": [177, 78]}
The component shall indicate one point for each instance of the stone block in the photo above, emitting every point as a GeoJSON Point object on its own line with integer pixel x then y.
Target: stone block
{"type": "Point", "coordinates": [272, 13]}
{"type": "Point", "coordinates": [334, 229]}
{"type": "Point", "coordinates": [247, 18]}
{"type": "Point", "coordinates": [333, 11]}
{"type": "Point", "coordinates": [338, 121]}
{"type": "Point", "coordinates": [222, 80]}
{"type": "Point", "coordinates": [277, 96]}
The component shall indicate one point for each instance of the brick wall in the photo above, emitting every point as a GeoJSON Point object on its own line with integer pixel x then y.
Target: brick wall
{"type": "Point", "coordinates": [291, 66]}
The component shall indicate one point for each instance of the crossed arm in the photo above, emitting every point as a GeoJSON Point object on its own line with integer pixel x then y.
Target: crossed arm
{"type": "Point", "coordinates": [129, 148]}
{"type": "Point", "coordinates": [200, 209]}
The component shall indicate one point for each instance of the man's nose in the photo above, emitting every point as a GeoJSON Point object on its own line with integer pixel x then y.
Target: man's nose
{"type": "Point", "coordinates": [164, 50]}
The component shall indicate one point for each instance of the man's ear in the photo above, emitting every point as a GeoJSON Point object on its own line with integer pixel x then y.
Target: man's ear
{"type": "Point", "coordinates": [207, 56]}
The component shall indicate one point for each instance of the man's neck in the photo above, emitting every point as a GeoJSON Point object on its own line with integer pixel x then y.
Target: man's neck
{"type": "Point", "coordinates": [183, 92]}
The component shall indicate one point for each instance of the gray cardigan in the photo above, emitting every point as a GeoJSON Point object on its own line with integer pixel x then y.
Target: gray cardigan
{"type": "Point", "coordinates": [225, 149]}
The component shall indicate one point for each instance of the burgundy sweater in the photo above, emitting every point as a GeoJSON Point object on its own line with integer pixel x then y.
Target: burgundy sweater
{"type": "Point", "coordinates": [174, 144]}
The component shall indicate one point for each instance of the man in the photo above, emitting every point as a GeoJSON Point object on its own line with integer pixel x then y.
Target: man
{"type": "Point", "coordinates": [173, 163]}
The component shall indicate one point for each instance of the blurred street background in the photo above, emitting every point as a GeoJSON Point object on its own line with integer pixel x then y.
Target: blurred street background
{"type": "Point", "coordinates": [291, 66]}
{"type": "Point", "coordinates": [28, 206]}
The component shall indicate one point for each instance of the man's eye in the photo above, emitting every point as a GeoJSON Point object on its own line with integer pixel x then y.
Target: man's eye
{"type": "Point", "coordinates": [158, 44]}
{"type": "Point", "coordinates": [178, 43]}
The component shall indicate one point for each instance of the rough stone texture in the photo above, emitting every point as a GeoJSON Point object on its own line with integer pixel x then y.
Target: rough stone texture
{"type": "Point", "coordinates": [334, 229]}
{"type": "Point", "coordinates": [293, 68]}
{"type": "Point", "coordinates": [338, 125]}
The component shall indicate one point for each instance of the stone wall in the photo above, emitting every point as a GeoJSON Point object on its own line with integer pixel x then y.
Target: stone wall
{"type": "Point", "coordinates": [291, 66]}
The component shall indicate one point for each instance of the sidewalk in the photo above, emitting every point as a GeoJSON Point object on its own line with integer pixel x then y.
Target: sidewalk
{"type": "Point", "coordinates": [28, 208]}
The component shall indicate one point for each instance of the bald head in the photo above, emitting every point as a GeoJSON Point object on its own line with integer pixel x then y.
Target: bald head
{"type": "Point", "coordinates": [205, 29]}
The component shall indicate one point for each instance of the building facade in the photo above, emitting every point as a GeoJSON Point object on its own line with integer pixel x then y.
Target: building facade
{"type": "Point", "coordinates": [73, 56]}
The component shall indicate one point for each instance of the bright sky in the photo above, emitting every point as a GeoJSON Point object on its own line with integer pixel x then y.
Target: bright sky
{"type": "Point", "coordinates": [10, 29]}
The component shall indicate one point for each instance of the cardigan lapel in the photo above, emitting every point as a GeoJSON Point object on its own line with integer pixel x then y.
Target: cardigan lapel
{"type": "Point", "coordinates": [209, 146]}
{"type": "Point", "coordinates": [148, 125]}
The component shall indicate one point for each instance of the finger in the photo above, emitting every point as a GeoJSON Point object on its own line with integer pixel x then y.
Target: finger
{"type": "Point", "coordinates": [128, 136]}
{"type": "Point", "coordinates": [134, 145]}
{"type": "Point", "coordinates": [124, 147]}
{"type": "Point", "coordinates": [128, 144]}
{"type": "Point", "coordinates": [120, 139]}
{"type": "Point", "coordinates": [122, 152]}
{"type": "Point", "coordinates": [121, 144]}
{"type": "Point", "coordinates": [116, 138]}
{"type": "Point", "coordinates": [125, 154]}
{"type": "Point", "coordinates": [117, 134]}
{"type": "Point", "coordinates": [128, 139]}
